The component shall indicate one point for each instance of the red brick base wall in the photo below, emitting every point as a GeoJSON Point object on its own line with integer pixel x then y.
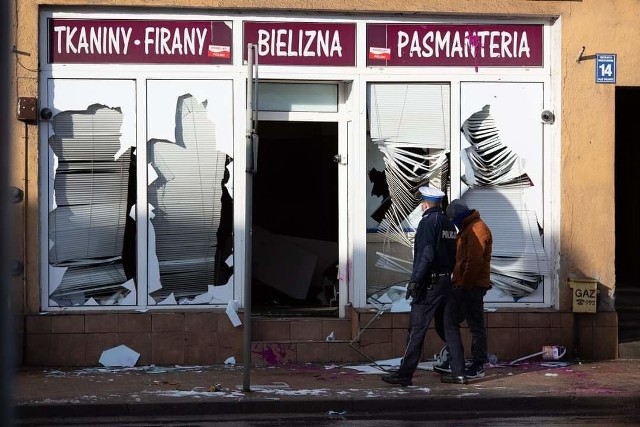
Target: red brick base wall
{"type": "Point", "coordinates": [206, 338]}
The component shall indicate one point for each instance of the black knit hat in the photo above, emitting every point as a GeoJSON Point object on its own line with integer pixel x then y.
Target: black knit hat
{"type": "Point", "coordinates": [456, 207]}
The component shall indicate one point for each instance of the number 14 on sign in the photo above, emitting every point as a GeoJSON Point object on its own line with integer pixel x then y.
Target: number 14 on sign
{"type": "Point", "coordinates": [605, 68]}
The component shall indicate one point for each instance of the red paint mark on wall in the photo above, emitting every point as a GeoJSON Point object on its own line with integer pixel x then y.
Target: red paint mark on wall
{"type": "Point", "coordinates": [272, 354]}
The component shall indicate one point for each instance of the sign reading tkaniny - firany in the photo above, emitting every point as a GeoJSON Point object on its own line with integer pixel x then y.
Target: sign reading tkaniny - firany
{"type": "Point", "coordinates": [99, 41]}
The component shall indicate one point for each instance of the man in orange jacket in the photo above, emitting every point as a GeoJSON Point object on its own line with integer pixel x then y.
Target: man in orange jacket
{"type": "Point", "coordinates": [470, 284]}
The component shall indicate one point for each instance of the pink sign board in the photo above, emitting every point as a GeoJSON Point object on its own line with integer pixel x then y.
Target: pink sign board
{"type": "Point", "coordinates": [478, 45]}
{"type": "Point", "coordinates": [302, 43]}
{"type": "Point", "coordinates": [116, 41]}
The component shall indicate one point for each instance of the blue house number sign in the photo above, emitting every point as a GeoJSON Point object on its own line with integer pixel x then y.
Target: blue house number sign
{"type": "Point", "coordinates": [605, 68]}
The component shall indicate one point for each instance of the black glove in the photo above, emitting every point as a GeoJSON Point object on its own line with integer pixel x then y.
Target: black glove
{"type": "Point", "coordinates": [411, 290]}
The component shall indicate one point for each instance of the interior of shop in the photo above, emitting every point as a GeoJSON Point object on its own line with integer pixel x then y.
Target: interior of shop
{"type": "Point", "coordinates": [627, 204]}
{"type": "Point", "coordinates": [295, 220]}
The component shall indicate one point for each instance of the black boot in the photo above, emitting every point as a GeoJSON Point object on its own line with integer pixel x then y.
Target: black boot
{"type": "Point", "coordinates": [395, 379]}
{"type": "Point", "coordinates": [453, 379]}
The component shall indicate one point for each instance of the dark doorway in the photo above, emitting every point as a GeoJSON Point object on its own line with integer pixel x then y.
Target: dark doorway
{"type": "Point", "coordinates": [627, 208]}
{"type": "Point", "coordinates": [295, 219]}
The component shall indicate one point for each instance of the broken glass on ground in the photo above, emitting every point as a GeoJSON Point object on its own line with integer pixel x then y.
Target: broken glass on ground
{"type": "Point", "coordinates": [120, 356]}
{"type": "Point", "coordinates": [232, 313]}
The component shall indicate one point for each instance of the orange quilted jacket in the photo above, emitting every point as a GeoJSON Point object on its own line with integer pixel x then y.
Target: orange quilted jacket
{"type": "Point", "coordinates": [473, 253]}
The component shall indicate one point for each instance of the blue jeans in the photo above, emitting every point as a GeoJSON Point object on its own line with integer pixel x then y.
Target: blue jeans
{"type": "Point", "coordinates": [470, 305]}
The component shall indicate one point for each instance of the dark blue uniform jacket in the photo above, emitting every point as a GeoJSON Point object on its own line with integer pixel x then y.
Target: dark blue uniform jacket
{"type": "Point", "coordinates": [434, 249]}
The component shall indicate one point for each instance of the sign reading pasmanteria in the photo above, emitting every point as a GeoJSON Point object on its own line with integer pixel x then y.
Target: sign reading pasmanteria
{"type": "Point", "coordinates": [102, 41]}
{"type": "Point", "coordinates": [302, 43]}
{"type": "Point", "coordinates": [490, 45]}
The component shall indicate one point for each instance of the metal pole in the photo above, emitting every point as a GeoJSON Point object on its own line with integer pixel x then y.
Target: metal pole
{"type": "Point", "coordinates": [248, 224]}
{"type": "Point", "coordinates": [7, 343]}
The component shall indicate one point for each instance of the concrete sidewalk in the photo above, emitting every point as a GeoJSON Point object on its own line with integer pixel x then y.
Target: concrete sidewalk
{"type": "Point", "coordinates": [534, 388]}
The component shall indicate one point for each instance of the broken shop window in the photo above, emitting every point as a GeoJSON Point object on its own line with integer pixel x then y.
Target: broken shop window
{"type": "Point", "coordinates": [190, 228]}
{"type": "Point", "coordinates": [91, 237]}
{"type": "Point", "coordinates": [408, 147]}
{"type": "Point", "coordinates": [498, 186]}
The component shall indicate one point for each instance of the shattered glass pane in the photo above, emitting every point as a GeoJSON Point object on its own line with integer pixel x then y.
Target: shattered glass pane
{"type": "Point", "coordinates": [192, 208]}
{"type": "Point", "coordinates": [89, 228]}
{"type": "Point", "coordinates": [408, 147]}
{"type": "Point", "coordinates": [497, 181]}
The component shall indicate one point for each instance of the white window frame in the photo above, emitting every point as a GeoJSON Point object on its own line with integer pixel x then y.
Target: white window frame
{"type": "Point", "coordinates": [360, 76]}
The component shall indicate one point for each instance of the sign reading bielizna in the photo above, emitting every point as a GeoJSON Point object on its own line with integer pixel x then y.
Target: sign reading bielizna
{"type": "Point", "coordinates": [302, 43]}
{"type": "Point", "coordinates": [100, 41]}
{"type": "Point", "coordinates": [484, 45]}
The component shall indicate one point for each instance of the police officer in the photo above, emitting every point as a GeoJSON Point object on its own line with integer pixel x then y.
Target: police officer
{"type": "Point", "coordinates": [434, 255]}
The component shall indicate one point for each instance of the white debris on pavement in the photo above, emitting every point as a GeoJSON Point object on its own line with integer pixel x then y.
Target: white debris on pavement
{"type": "Point", "coordinates": [556, 364]}
{"type": "Point", "coordinates": [380, 366]}
{"type": "Point", "coordinates": [389, 362]}
{"type": "Point", "coordinates": [272, 386]}
{"type": "Point", "coordinates": [195, 394]}
{"type": "Point", "coordinates": [302, 392]}
{"type": "Point", "coordinates": [232, 313]}
{"type": "Point", "coordinates": [336, 413]}
{"type": "Point", "coordinates": [366, 369]}
{"type": "Point", "coordinates": [119, 356]}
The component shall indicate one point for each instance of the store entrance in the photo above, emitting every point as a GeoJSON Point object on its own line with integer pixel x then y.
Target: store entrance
{"type": "Point", "coordinates": [627, 204]}
{"type": "Point", "coordinates": [295, 220]}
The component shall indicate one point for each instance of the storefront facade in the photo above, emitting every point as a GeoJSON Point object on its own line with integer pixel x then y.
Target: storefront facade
{"type": "Point", "coordinates": [186, 156]}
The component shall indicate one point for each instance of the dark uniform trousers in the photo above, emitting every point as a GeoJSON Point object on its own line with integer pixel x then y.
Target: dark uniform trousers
{"type": "Point", "coordinates": [468, 305]}
{"type": "Point", "coordinates": [423, 309]}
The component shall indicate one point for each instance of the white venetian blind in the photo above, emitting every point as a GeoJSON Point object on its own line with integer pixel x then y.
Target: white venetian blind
{"type": "Point", "coordinates": [187, 201]}
{"type": "Point", "coordinates": [410, 112]}
{"type": "Point", "coordinates": [87, 223]}
{"type": "Point", "coordinates": [519, 260]}
{"type": "Point", "coordinates": [499, 185]}
{"type": "Point", "coordinates": [409, 123]}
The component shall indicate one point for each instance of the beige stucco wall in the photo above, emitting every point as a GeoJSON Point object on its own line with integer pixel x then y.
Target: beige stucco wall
{"type": "Point", "coordinates": [587, 110]}
{"type": "Point", "coordinates": [587, 228]}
